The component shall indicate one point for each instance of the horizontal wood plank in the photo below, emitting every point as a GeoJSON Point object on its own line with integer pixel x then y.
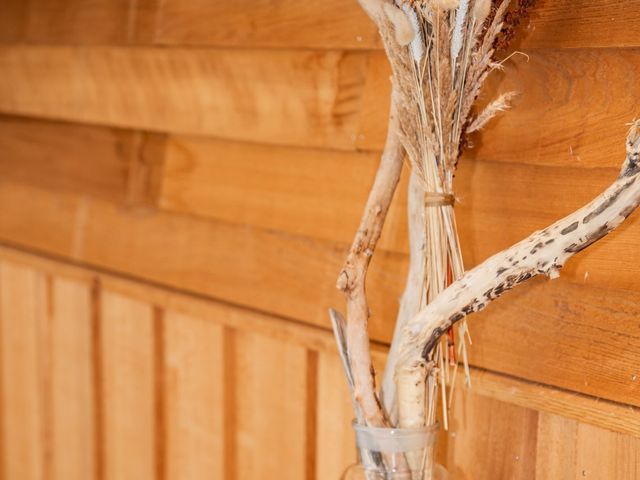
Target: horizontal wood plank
{"type": "Point", "coordinates": [266, 23]}
{"type": "Point", "coordinates": [320, 99]}
{"type": "Point", "coordinates": [316, 193]}
{"type": "Point", "coordinates": [238, 264]}
{"type": "Point", "coordinates": [119, 165]}
{"type": "Point", "coordinates": [573, 108]}
{"type": "Point", "coordinates": [305, 98]}
{"type": "Point", "coordinates": [283, 24]}
{"type": "Point", "coordinates": [108, 22]}
{"type": "Point", "coordinates": [582, 24]}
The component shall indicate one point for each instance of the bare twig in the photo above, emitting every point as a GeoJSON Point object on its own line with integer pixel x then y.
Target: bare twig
{"type": "Point", "coordinates": [352, 278]}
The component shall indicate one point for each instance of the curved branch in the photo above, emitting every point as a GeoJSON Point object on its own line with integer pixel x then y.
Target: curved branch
{"type": "Point", "coordinates": [352, 278]}
{"type": "Point", "coordinates": [544, 252]}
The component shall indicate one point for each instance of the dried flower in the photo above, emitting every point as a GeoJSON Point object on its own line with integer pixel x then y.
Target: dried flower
{"type": "Point", "coordinates": [404, 31]}
{"type": "Point", "coordinates": [447, 4]}
{"type": "Point", "coordinates": [481, 11]}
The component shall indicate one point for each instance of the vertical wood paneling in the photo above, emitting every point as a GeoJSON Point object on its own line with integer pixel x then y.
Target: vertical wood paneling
{"type": "Point", "coordinates": [72, 396]}
{"type": "Point", "coordinates": [336, 445]}
{"type": "Point", "coordinates": [128, 388]}
{"type": "Point", "coordinates": [568, 449]}
{"type": "Point", "coordinates": [604, 454]}
{"type": "Point", "coordinates": [22, 298]}
{"type": "Point", "coordinates": [491, 439]}
{"type": "Point", "coordinates": [194, 398]}
{"type": "Point", "coordinates": [270, 407]}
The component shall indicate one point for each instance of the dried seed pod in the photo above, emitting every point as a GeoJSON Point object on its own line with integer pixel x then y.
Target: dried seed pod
{"type": "Point", "coordinates": [481, 11]}
{"type": "Point", "coordinates": [404, 32]}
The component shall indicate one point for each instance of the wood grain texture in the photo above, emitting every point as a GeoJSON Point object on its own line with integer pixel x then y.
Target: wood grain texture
{"type": "Point", "coordinates": [284, 97]}
{"type": "Point", "coordinates": [116, 164]}
{"type": "Point", "coordinates": [567, 449]}
{"type": "Point", "coordinates": [282, 23]}
{"type": "Point", "coordinates": [23, 315]}
{"type": "Point", "coordinates": [79, 21]}
{"type": "Point", "coordinates": [246, 266]}
{"type": "Point", "coordinates": [566, 112]}
{"type": "Point", "coordinates": [572, 111]}
{"type": "Point", "coordinates": [316, 193]}
{"type": "Point", "coordinates": [266, 23]}
{"type": "Point", "coordinates": [192, 254]}
{"type": "Point", "coordinates": [523, 422]}
{"type": "Point", "coordinates": [504, 442]}
{"type": "Point", "coordinates": [568, 404]}
{"type": "Point", "coordinates": [590, 346]}
{"type": "Point", "coordinates": [336, 444]}
{"type": "Point", "coordinates": [501, 204]}
{"type": "Point", "coordinates": [194, 397]}
{"type": "Point", "coordinates": [72, 396]}
{"type": "Point", "coordinates": [128, 388]}
{"type": "Point", "coordinates": [322, 99]}
{"type": "Point", "coordinates": [270, 407]}
{"type": "Point", "coordinates": [582, 24]}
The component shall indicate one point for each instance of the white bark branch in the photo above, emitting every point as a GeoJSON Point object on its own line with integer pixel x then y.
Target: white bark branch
{"type": "Point", "coordinates": [412, 295]}
{"type": "Point", "coordinates": [544, 252]}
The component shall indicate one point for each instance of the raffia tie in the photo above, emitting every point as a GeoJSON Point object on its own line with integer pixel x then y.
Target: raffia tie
{"type": "Point", "coordinates": [435, 199]}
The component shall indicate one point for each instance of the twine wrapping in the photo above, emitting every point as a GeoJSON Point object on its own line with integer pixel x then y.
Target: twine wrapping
{"type": "Point", "coordinates": [435, 199]}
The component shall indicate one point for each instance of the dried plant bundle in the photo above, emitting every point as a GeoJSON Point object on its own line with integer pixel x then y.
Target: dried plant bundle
{"type": "Point", "coordinates": [441, 52]}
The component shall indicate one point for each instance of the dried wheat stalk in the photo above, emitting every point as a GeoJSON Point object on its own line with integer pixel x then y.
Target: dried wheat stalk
{"type": "Point", "coordinates": [439, 60]}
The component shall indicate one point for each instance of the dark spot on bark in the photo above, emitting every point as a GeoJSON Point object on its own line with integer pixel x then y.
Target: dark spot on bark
{"type": "Point", "coordinates": [632, 167]}
{"type": "Point", "coordinates": [435, 336]}
{"type": "Point", "coordinates": [591, 239]}
{"type": "Point", "coordinates": [524, 276]}
{"type": "Point", "coordinates": [625, 212]}
{"type": "Point", "coordinates": [511, 279]}
{"type": "Point", "coordinates": [608, 201]}
{"type": "Point", "coordinates": [498, 290]}
{"type": "Point", "coordinates": [501, 270]}
{"type": "Point", "coordinates": [535, 248]}
{"type": "Point", "coordinates": [487, 294]}
{"type": "Point", "coordinates": [570, 228]}
{"type": "Point", "coordinates": [543, 264]}
{"type": "Point", "coordinates": [549, 241]}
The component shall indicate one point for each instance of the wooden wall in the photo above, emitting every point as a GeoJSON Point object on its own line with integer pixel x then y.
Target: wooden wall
{"type": "Point", "coordinates": [179, 183]}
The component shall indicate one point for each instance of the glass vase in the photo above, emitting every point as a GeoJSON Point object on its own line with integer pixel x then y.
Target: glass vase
{"type": "Point", "coordinates": [395, 454]}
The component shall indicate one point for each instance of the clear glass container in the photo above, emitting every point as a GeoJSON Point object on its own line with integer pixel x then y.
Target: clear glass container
{"type": "Point", "coordinates": [395, 454]}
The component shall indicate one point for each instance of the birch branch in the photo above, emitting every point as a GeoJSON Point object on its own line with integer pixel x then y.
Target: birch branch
{"type": "Point", "coordinates": [352, 278]}
{"type": "Point", "coordinates": [544, 252]}
{"type": "Point", "coordinates": [412, 295]}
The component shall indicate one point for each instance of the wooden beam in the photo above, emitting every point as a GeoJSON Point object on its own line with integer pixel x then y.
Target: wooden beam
{"type": "Point", "coordinates": [119, 165]}
{"type": "Point", "coordinates": [311, 192]}
{"type": "Point", "coordinates": [304, 98]}
{"type": "Point", "coordinates": [331, 24]}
